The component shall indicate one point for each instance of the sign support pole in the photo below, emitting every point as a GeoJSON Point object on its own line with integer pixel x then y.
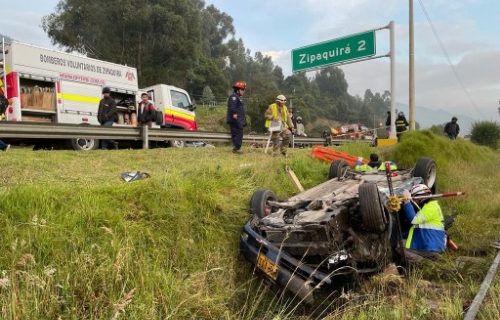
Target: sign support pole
{"type": "Point", "coordinates": [411, 70]}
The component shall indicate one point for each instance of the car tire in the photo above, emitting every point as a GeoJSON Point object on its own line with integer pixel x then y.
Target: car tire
{"type": "Point", "coordinates": [426, 169]}
{"type": "Point", "coordinates": [258, 203]}
{"type": "Point", "coordinates": [372, 210]}
{"type": "Point", "coordinates": [82, 144]}
{"type": "Point", "coordinates": [338, 169]}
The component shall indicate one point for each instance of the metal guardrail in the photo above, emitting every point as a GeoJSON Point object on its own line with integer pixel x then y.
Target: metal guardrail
{"type": "Point", "coordinates": [60, 131]}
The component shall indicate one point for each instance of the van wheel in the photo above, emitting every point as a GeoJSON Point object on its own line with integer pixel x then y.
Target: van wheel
{"type": "Point", "coordinates": [81, 144]}
{"type": "Point", "coordinates": [372, 210]}
{"type": "Point", "coordinates": [176, 143]}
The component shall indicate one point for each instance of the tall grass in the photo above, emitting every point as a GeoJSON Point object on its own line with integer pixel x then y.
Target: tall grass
{"type": "Point", "coordinates": [79, 243]}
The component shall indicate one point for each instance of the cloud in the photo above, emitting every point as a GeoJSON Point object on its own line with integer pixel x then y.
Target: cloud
{"type": "Point", "coordinates": [435, 85]}
{"type": "Point", "coordinates": [464, 33]}
{"type": "Point", "coordinates": [24, 26]}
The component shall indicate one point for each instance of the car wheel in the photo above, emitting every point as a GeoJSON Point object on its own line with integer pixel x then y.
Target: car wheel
{"type": "Point", "coordinates": [81, 144]}
{"type": "Point", "coordinates": [338, 169]}
{"type": "Point", "coordinates": [372, 210]}
{"type": "Point", "coordinates": [426, 169]}
{"type": "Point", "coordinates": [259, 202]}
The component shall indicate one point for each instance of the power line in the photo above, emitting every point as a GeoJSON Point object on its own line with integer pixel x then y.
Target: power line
{"type": "Point", "coordinates": [449, 60]}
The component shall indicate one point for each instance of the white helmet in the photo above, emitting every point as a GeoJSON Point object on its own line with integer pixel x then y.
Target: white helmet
{"type": "Point", "coordinates": [281, 98]}
{"type": "Point", "coordinates": [420, 190]}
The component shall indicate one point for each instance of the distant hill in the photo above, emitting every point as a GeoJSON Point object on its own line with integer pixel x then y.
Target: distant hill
{"type": "Point", "coordinates": [428, 117]}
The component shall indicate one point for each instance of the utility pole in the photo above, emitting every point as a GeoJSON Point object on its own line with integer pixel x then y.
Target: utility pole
{"type": "Point", "coordinates": [392, 55]}
{"type": "Point", "coordinates": [411, 71]}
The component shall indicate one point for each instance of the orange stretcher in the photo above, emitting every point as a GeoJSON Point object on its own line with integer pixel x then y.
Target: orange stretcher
{"type": "Point", "coordinates": [329, 155]}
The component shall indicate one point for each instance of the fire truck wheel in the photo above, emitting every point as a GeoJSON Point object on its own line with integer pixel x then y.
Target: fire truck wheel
{"type": "Point", "coordinates": [176, 143]}
{"type": "Point", "coordinates": [81, 144]}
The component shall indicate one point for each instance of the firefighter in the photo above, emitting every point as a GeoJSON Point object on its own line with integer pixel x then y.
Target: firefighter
{"type": "Point", "coordinates": [401, 124]}
{"type": "Point", "coordinates": [426, 237]}
{"type": "Point", "coordinates": [277, 114]}
{"type": "Point", "coordinates": [236, 115]}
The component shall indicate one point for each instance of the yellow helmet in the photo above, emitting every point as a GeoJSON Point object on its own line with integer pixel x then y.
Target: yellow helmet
{"type": "Point", "coordinates": [281, 98]}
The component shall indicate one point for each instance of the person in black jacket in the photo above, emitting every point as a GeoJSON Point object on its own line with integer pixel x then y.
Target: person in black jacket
{"type": "Point", "coordinates": [107, 114]}
{"type": "Point", "coordinates": [146, 112]}
{"type": "Point", "coordinates": [452, 129]}
{"type": "Point", "coordinates": [236, 115]}
{"type": "Point", "coordinates": [401, 124]}
{"type": "Point", "coordinates": [388, 124]}
{"type": "Point", "coordinates": [4, 104]}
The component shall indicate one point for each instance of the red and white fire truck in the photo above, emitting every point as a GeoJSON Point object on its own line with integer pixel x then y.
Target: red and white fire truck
{"type": "Point", "coordinates": [50, 86]}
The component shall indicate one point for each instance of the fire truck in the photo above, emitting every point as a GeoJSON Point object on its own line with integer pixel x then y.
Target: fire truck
{"type": "Point", "coordinates": [49, 86]}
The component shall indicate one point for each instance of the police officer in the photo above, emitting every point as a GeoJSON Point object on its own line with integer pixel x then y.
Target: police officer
{"type": "Point", "coordinates": [236, 115]}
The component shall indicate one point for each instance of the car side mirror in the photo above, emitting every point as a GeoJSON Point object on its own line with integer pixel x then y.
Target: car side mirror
{"type": "Point", "coordinates": [191, 107]}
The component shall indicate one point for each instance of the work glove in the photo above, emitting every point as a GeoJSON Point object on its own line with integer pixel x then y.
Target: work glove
{"type": "Point", "coordinates": [359, 161]}
{"type": "Point", "coordinates": [406, 196]}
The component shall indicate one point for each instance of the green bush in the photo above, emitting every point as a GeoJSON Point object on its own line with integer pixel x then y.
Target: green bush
{"type": "Point", "coordinates": [486, 133]}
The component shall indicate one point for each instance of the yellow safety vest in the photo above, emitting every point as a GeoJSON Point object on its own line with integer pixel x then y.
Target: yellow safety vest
{"type": "Point", "coordinates": [274, 111]}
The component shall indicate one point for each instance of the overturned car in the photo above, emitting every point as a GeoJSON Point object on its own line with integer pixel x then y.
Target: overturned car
{"type": "Point", "coordinates": [339, 228]}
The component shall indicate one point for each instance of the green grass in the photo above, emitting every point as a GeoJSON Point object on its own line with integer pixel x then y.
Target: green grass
{"type": "Point", "coordinates": [212, 119]}
{"type": "Point", "coordinates": [79, 243]}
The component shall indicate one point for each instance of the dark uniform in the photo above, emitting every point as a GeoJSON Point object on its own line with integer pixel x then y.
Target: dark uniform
{"type": "Point", "coordinates": [236, 107]}
{"type": "Point", "coordinates": [452, 129]}
{"type": "Point", "coordinates": [401, 125]}
{"type": "Point", "coordinates": [107, 114]}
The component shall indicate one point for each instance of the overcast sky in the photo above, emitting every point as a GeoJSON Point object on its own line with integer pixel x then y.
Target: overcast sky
{"type": "Point", "coordinates": [469, 31]}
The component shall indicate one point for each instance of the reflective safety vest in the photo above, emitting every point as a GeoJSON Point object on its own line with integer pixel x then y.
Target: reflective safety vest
{"type": "Point", "coordinates": [366, 168]}
{"type": "Point", "coordinates": [427, 230]}
{"type": "Point", "coordinates": [393, 166]}
{"type": "Point", "coordinates": [274, 112]}
{"type": "Point", "coordinates": [400, 125]}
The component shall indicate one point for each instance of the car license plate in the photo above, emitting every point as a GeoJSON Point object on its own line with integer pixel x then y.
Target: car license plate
{"type": "Point", "coordinates": [267, 265]}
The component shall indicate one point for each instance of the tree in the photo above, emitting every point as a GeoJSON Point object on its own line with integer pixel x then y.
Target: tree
{"type": "Point", "coordinates": [208, 97]}
{"type": "Point", "coordinates": [176, 42]}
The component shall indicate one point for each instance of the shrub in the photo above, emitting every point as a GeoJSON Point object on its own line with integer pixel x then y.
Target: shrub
{"type": "Point", "coordinates": [486, 133]}
{"type": "Point", "coordinates": [437, 129]}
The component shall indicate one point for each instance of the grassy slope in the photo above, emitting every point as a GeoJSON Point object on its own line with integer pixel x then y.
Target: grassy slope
{"type": "Point", "coordinates": [79, 243]}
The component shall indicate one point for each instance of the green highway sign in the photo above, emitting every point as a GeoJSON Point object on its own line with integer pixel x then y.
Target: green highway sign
{"type": "Point", "coordinates": [334, 51]}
